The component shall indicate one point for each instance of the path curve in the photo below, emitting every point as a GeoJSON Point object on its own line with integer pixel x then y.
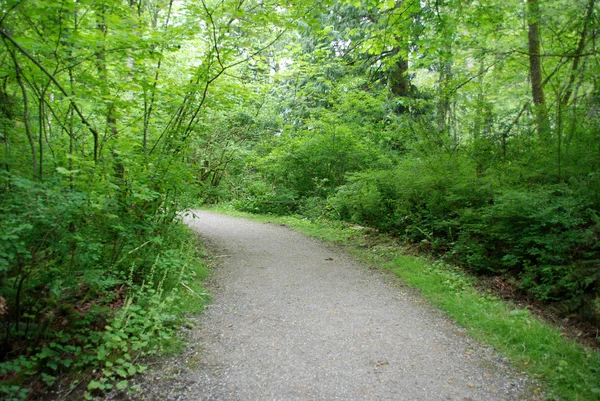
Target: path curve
{"type": "Point", "coordinates": [293, 319]}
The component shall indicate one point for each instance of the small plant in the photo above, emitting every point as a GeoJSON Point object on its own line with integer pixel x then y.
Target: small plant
{"type": "Point", "coordinates": [110, 336]}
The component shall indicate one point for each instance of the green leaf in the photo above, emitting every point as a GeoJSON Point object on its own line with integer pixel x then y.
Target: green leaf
{"type": "Point", "coordinates": [64, 171]}
{"type": "Point", "coordinates": [122, 385]}
{"type": "Point", "coordinates": [101, 354]}
{"type": "Point", "coordinates": [94, 385]}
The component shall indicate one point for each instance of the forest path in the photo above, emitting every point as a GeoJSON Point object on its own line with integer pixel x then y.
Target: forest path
{"type": "Point", "coordinates": [293, 319]}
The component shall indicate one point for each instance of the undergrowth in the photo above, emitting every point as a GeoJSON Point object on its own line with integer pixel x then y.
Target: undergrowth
{"type": "Point", "coordinates": [566, 369]}
{"type": "Point", "coordinates": [105, 343]}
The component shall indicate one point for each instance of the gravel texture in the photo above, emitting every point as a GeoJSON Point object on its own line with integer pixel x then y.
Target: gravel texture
{"type": "Point", "coordinates": [293, 319]}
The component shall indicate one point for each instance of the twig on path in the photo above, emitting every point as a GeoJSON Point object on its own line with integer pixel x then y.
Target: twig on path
{"type": "Point", "coordinates": [194, 292]}
{"type": "Point", "coordinates": [73, 388]}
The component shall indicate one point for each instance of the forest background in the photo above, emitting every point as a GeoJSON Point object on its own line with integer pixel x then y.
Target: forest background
{"type": "Point", "coordinates": [469, 129]}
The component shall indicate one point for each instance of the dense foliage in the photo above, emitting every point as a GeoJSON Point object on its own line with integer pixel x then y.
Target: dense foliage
{"type": "Point", "coordinates": [470, 129]}
{"type": "Point", "coordinates": [108, 124]}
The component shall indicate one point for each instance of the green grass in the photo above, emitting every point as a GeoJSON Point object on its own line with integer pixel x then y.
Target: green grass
{"type": "Point", "coordinates": [330, 231]}
{"type": "Point", "coordinates": [569, 371]}
{"type": "Point", "coordinates": [194, 296]}
{"type": "Point", "coordinates": [566, 370]}
{"type": "Point", "coordinates": [191, 293]}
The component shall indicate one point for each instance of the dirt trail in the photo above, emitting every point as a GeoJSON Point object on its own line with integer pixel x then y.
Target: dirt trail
{"type": "Point", "coordinates": [293, 319]}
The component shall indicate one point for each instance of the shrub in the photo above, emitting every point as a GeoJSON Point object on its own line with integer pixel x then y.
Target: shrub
{"type": "Point", "coordinates": [73, 263]}
{"type": "Point", "coordinates": [546, 237]}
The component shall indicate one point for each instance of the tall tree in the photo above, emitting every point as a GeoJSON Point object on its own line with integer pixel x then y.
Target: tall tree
{"type": "Point", "coordinates": [535, 69]}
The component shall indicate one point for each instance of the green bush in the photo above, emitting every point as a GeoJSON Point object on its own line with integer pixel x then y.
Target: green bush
{"type": "Point", "coordinates": [314, 162]}
{"type": "Point", "coordinates": [260, 197]}
{"type": "Point", "coordinates": [70, 260]}
{"type": "Point", "coordinates": [546, 237]}
{"type": "Point", "coordinates": [418, 199]}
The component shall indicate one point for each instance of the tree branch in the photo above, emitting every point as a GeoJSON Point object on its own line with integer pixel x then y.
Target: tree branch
{"type": "Point", "coordinates": [9, 11]}
{"type": "Point", "coordinates": [59, 86]}
{"type": "Point", "coordinates": [480, 73]}
{"type": "Point", "coordinates": [25, 111]}
{"type": "Point", "coordinates": [566, 55]}
{"type": "Point", "coordinates": [578, 53]}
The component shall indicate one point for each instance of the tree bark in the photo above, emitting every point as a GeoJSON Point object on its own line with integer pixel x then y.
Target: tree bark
{"type": "Point", "coordinates": [535, 68]}
{"type": "Point", "coordinates": [399, 84]}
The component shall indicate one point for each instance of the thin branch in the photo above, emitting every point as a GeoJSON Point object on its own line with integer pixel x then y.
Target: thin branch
{"type": "Point", "coordinates": [214, 32]}
{"type": "Point", "coordinates": [480, 73]}
{"type": "Point", "coordinates": [58, 118]}
{"type": "Point", "coordinates": [567, 55]}
{"type": "Point", "coordinates": [192, 121]}
{"type": "Point", "coordinates": [25, 110]}
{"type": "Point", "coordinates": [9, 11]}
{"type": "Point", "coordinates": [59, 86]}
{"type": "Point", "coordinates": [578, 52]}
{"type": "Point", "coordinates": [205, 92]}
{"type": "Point", "coordinates": [515, 120]}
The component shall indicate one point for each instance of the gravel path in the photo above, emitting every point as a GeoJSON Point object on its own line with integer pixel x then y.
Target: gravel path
{"type": "Point", "coordinates": [293, 319]}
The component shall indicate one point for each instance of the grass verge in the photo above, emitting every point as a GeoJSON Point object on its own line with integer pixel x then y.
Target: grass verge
{"type": "Point", "coordinates": [567, 370]}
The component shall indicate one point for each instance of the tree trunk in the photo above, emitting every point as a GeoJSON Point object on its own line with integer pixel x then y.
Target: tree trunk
{"type": "Point", "coordinates": [399, 84]}
{"type": "Point", "coordinates": [535, 69]}
{"type": "Point", "coordinates": [111, 121]}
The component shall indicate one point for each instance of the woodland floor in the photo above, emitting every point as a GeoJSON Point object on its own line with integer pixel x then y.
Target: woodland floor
{"type": "Point", "coordinates": [293, 319]}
